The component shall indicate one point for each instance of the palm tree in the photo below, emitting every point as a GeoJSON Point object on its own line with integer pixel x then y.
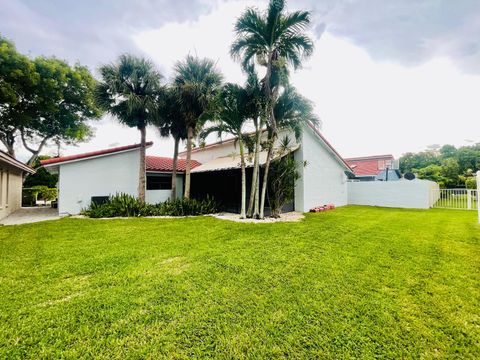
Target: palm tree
{"type": "Point", "coordinates": [293, 111]}
{"type": "Point", "coordinates": [256, 97]}
{"type": "Point", "coordinates": [170, 122]}
{"type": "Point", "coordinates": [275, 39]}
{"type": "Point", "coordinates": [196, 81]}
{"type": "Point", "coordinates": [230, 114]}
{"type": "Point", "coordinates": [129, 90]}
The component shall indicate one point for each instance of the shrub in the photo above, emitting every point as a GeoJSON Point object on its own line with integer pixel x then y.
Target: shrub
{"type": "Point", "coordinates": [30, 195]}
{"type": "Point", "coordinates": [124, 205]}
{"type": "Point", "coordinates": [471, 183]}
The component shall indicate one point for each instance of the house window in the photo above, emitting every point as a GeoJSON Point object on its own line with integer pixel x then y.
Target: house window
{"type": "Point", "coordinates": [159, 182]}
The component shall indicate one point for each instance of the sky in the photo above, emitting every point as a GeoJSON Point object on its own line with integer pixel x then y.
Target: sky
{"type": "Point", "coordinates": [387, 76]}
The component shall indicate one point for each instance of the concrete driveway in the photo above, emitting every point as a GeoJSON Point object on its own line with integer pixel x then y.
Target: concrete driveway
{"type": "Point", "coordinates": [30, 215]}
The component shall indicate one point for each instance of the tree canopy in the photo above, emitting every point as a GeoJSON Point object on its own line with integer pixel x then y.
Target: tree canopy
{"type": "Point", "coordinates": [44, 99]}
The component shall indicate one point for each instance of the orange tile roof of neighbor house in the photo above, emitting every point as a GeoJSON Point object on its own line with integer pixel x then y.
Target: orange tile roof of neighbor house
{"type": "Point", "coordinates": [368, 165]}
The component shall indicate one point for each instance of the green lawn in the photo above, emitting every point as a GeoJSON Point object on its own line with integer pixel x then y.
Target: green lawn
{"type": "Point", "coordinates": [355, 282]}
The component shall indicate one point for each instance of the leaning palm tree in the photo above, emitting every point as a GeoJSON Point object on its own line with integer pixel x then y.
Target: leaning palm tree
{"type": "Point", "coordinates": [129, 90]}
{"type": "Point", "coordinates": [275, 39]}
{"type": "Point", "coordinates": [229, 115]}
{"type": "Point", "coordinates": [170, 122]}
{"type": "Point", "coordinates": [196, 81]}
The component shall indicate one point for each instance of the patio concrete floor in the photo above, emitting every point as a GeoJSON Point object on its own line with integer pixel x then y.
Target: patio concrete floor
{"type": "Point", "coordinates": [30, 215]}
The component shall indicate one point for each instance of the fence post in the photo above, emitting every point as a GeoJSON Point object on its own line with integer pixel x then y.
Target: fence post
{"type": "Point", "coordinates": [478, 195]}
{"type": "Point", "coordinates": [469, 199]}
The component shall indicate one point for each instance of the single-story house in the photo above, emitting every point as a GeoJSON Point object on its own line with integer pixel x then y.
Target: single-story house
{"type": "Point", "coordinates": [12, 173]}
{"type": "Point", "coordinates": [376, 167]}
{"type": "Point", "coordinates": [215, 172]}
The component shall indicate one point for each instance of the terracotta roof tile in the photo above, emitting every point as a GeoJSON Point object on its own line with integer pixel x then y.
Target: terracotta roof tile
{"type": "Point", "coordinates": [158, 163]}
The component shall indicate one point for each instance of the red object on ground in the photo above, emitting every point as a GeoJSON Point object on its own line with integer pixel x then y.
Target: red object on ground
{"type": "Point", "coordinates": [322, 208]}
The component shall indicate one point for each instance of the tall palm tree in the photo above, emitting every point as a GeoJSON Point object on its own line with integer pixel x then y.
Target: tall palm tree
{"type": "Point", "coordinates": [196, 81]}
{"type": "Point", "coordinates": [230, 114]}
{"type": "Point", "coordinates": [170, 122]}
{"type": "Point", "coordinates": [275, 39]}
{"type": "Point", "coordinates": [256, 102]}
{"type": "Point", "coordinates": [129, 90]}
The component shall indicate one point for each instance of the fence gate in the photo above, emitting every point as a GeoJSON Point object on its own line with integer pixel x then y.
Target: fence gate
{"type": "Point", "coordinates": [465, 199]}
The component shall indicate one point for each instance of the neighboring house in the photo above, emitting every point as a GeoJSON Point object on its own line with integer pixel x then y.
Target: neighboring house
{"type": "Point", "coordinates": [12, 173]}
{"type": "Point", "coordinates": [215, 172]}
{"type": "Point", "coordinates": [377, 167]}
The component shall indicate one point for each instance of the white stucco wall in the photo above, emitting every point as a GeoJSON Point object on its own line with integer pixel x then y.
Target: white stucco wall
{"type": "Point", "coordinates": [101, 176]}
{"type": "Point", "coordinates": [323, 180]}
{"type": "Point", "coordinates": [13, 200]}
{"type": "Point", "coordinates": [229, 149]}
{"type": "Point", "coordinates": [415, 194]}
{"type": "Point", "coordinates": [157, 196]}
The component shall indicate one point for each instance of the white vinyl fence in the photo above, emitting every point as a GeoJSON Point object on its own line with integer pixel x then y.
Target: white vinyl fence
{"type": "Point", "coordinates": [464, 199]}
{"type": "Point", "coordinates": [415, 194]}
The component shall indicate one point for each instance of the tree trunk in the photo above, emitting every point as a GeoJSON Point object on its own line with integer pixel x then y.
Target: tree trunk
{"type": "Point", "coordinates": [256, 211]}
{"type": "Point", "coordinates": [8, 142]}
{"type": "Point", "coordinates": [35, 152]}
{"type": "Point", "coordinates": [273, 128]}
{"type": "Point", "coordinates": [253, 188]}
{"type": "Point", "coordinates": [189, 160]}
{"type": "Point", "coordinates": [173, 196]}
{"type": "Point", "coordinates": [142, 174]}
{"type": "Point", "coordinates": [265, 177]}
{"type": "Point", "coordinates": [244, 180]}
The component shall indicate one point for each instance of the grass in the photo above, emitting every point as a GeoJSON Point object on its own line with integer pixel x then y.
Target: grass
{"type": "Point", "coordinates": [456, 201]}
{"type": "Point", "coordinates": [355, 282]}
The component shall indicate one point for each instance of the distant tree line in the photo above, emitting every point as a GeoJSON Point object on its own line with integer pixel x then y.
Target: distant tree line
{"type": "Point", "coordinates": [447, 165]}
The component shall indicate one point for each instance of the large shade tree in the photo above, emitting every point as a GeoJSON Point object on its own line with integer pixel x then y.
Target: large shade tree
{"type": "Point", "coordinates": [43, 100]}
{"type": "Point", "coordinates": [17, 81]}
{"type": "Point", "coordinates": [63, 105]}
{"type": "Point", "coordinates": [129, 90]}
{"type": "Point", "coordinates": [275, 39]}
{"type": "Point", "coordinates": [197, 81]}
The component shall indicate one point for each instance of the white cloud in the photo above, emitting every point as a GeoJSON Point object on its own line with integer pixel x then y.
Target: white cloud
{"type": "Point", "coordinates": [367, 107]}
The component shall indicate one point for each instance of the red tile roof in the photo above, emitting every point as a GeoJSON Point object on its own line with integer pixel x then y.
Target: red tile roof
{"type": "Point", "coordinates": [92, 154]}
{"type": "Point", "coordinates": [368, 165]}
{"type": "Point", "coordinates": [158, 163]}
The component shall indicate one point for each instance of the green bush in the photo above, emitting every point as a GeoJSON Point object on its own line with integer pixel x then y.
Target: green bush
{"type": "Point", "coordinates": [124, 205]}
{"type": "Point", "coordinates": [471, 183]}
{"type": "Point", "coordinates": [42, 192]}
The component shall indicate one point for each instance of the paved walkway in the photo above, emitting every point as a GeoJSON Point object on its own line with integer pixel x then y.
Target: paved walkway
{"type": "Point", "coordinates": [30, 215]}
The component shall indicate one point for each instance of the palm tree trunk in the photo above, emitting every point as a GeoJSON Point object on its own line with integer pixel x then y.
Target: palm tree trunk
{"type": "Point", "coordinates": [265, 177]}
{"type": "Point", "coordinates": [254, 175]}
{"type": "Point", "coordinates": [256, 212]}
{"type": "Point", "coordinates": [173, 196]}
{"type": "Point", "coordinates": [142, 175]}
{"type": "Point", "coordinates": [189, 159]}
{"type": "Point", "coordinates": [244, 181]}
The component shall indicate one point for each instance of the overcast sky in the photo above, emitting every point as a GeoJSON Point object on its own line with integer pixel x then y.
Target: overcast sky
{"type": "Point", "coordinates": [387, 76]}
